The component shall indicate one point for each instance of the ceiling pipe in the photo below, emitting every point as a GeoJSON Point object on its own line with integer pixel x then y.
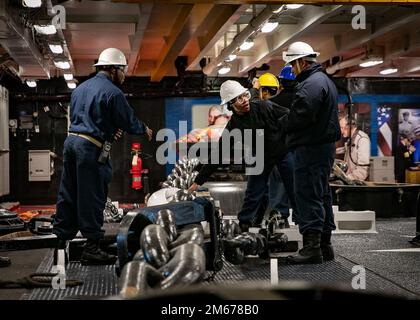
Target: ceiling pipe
{"type": "Point", "coordinates": [255, 24]}
{"type": "Point", "coordinates": [345, 64]}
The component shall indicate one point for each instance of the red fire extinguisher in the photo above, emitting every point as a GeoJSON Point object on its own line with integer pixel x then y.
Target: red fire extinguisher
{"type": "Point", "coordinates": [136, 166]}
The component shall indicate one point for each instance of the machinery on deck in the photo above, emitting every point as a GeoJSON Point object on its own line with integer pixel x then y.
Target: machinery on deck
{"type": "Point", "coordinates": [10, 222]}
{"type": "Point", "coordinates": [185, 214]}
{"type": "Point", "coordinates": [167, 243]}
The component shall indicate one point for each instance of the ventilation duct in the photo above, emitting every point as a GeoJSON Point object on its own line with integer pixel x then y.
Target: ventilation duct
{"type": "Point", "coordinates": [241, 37]}
{"type": "Point", "coordinates": [7, 61]}
{"type": "Point", "coordinates": [18, 42]}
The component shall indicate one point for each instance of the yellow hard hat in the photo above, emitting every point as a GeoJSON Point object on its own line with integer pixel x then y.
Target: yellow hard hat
{"type": "Point", "coordinates": [268, 80]}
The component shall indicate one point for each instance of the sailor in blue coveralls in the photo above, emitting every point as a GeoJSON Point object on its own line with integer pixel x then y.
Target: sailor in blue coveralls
{"type": "Point", "coordinates": [312, 129]}
{"type": "Point", "coordinates": [99, 112]}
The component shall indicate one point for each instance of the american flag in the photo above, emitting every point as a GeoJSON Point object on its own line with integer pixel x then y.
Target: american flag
{"type": "Point", "coordinates": [384, 132]}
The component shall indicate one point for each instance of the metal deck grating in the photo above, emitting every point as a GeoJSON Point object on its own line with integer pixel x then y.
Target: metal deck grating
{"type": "Point", "coordinates": [386, 273]}
{"type": "Point", "coordinates": [99, 281]}
{"type": "Point", "coordinates": [337, 273]}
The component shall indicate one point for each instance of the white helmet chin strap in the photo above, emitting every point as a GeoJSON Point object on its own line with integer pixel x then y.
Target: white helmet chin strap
{"type": "Point", "coordinates": [298, 66]}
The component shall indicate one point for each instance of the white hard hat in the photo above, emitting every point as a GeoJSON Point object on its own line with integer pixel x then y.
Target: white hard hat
{"type": "Point", "coordinates": [299, 50]}
{"type": "Point", "coordinates": [162, 196]}
{"type": "Point", "coordinates": [111, 57]}
{"type": "Point", "coordinates": [230, 90]}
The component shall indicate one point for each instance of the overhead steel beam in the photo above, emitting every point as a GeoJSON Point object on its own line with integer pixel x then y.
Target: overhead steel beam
{"type": "Point", "coordinates": [356, 38]}
{"type": "Point", "coordinates": [83, 18]}
{"type": "Point", "coordinates": [411, 66]}
{"type": "Point", "coordinates": [393, 56]}
{"type": "Point", "coordinates": [174, 43]}
{"type": "Point", "coordinates": [311, 17]}
{"type": "Point", "coordinates": [224, 16]}
{"type": "Point", "coordinates": [406, 68]}
{"type": "Point", "coordinates": [188, 22]}
{"type": "Point", "coordinates": [394, 51]}
{"type": "Point", "coordinates": [136, 39]}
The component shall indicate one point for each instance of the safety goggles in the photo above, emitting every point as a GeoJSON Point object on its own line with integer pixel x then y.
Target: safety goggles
{"type": "Point", "coordinates": [244, 96]}
{"type": "Point", "coordinates": [271, 90]}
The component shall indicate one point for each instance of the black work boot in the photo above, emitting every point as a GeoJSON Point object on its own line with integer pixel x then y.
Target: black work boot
{"type": "Point", "coordinates": [4, 262]}
{"type": "Point", "coordinates": [311, 251]}
{"type": "Point", "coordinates": [93, 255]}
{"type": "Point", "coordinates": [326, 247]}
{"type": "Point", "coordinates": [63, 246]}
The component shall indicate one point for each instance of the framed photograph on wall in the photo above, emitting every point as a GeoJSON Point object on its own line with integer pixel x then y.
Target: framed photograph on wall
{"type": "Point", "coordinates": [409, 124]}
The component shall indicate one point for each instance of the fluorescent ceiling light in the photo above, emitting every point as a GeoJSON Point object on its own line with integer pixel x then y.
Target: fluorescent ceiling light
{"type": "Point", "coordinates": [71, 85]}
{"type": "Point", "coordinates": [62, 64]}
{"type": "Point", "coordinates": [47, 30]}
{"type": "Point", "coordinates": [293, 6]}
{"type": "Point", "coordinates": [68, 76]}
{"type": "Point", "coordinates": [388, 71]}
{"type": "Point", "coordinates": [224, 70]}
{"type": "Point", "coordinates": [31, 83]}
{"type": "Point", "coordinates": [56, 48]}
{"type": "Point", "coordinates": [32, 3]}
{"type": "Point", "coordinates": [231, 57]}
{"type": "Point", "coordinates": [248, 44]}
{"type": "Point", "coordinates": [269, 26]}
{"type": "Point", "coordinates": [371, 62]}
{"type": "Point", "coordinates": [278, 10]}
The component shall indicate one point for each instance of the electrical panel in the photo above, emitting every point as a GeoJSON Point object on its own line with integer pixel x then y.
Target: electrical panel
{"type": "Point", "coordinates": [40, 165]}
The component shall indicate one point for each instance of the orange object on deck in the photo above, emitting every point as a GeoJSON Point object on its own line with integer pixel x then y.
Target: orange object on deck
{"type": "Point", "coordinates": [27, 215]}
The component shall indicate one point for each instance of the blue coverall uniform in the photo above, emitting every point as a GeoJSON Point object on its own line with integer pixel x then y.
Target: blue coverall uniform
{"type": "Point", "coordinates": [312, 129]}
{"type": "Point", "coordinates": [277, 190]}
{"type": "Point", "coordinates": [98, 109]}
{"type": "Point", "coordinates": [276, 193]}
